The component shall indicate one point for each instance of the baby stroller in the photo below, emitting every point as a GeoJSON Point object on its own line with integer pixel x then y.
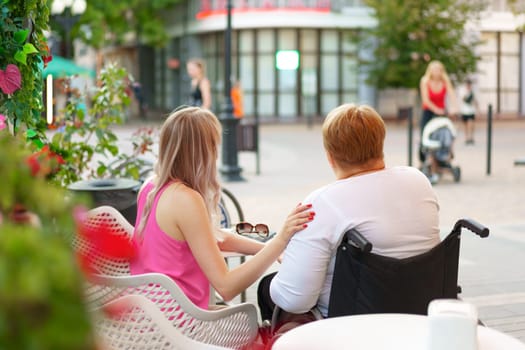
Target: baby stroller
{"type": "Point", "coordinates": [437, 144]}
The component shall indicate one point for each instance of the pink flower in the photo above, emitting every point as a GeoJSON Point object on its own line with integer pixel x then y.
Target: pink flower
{"type": "Point", "coordinates": [3, 124]}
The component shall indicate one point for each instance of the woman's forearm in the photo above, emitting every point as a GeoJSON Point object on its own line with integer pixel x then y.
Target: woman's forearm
{"type": "Point", "coordinates": [231, 242]}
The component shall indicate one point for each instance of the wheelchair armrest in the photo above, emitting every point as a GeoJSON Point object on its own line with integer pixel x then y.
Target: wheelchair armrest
{"type": "Point", "coordinates": [473, 226]}
{"type": "Point", "coordinates": [358, 240]}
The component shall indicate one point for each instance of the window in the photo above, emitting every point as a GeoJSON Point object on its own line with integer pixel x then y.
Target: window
{"type": "Point", "coordinates": [329, 74]}
{"type": "Point", "coordinates": [266, 42]}
{"type": "Point", "coordinates": [266, 73]}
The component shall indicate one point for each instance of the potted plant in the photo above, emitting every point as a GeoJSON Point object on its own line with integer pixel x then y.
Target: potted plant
{"type": "Point", "coordinates": [86, 140]}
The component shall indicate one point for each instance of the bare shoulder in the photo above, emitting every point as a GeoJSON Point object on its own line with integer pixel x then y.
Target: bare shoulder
{"type": "Point", "coordinates": [205, 82]}
{"type": "Point", "coordinates": [182, 197]}
{"type": "Point", "coordinates": [178, 205]}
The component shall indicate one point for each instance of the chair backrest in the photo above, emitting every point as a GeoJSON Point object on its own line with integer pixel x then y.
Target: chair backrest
{"type": "Point", "coordinates": [365, 282]}
{"type": "Point", "coordinates": [233, 327]}
{"type": "Point", "coordinates": [135, 322]}
{"type": "Point", "coordinates": [111, 219]}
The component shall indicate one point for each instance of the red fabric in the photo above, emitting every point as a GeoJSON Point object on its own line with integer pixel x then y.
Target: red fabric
{"type": "Point", "coordinates": [437, 97]}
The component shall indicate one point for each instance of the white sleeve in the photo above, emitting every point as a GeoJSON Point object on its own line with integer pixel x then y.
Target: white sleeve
{"type": "Point", "coordinates": [301, 276]}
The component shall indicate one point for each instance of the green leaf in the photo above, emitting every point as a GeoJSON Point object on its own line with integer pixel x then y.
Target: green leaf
{"type": "Point", "coordinates": [99, 133]}
{"type": "Point", "coordinates": [113, 149]}
{"type": "Point", "coordinates": [30, 133]}
{"type": "Point", "coordinates": [21, 57]}
{"type": "Point", "coordinates": [29, 49]}
{"type": "Point", "coordinates": [38, 143]}
{"type": "Point", "coordinates": [101, 170]}
{"type": "Point", "coordinates": [21, 35]}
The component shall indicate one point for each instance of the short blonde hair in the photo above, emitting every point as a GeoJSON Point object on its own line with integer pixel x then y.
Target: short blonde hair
{"type": "Point", "coordinates": [354, 134]}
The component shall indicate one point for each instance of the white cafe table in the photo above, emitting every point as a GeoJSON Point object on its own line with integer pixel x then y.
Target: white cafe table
{"type": "Point", "coordinates": [379, 332]}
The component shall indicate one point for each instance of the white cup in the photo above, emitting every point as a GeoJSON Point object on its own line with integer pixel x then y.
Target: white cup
{"type": "Point", "coordinates": [452, 325]}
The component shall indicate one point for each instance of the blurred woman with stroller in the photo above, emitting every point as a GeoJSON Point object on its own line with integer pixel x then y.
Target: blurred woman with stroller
{"type": "Point", "coordinates": [437, 96]}
{"type": "Point", "coordinates": [435, 87]}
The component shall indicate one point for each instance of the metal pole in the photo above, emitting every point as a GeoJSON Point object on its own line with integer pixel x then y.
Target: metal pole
{"type": "Point", "coordinates": [67, 21]}
{"type": "Point", "coordinates": [410, 113]}
{"type": "Point", "coordinates": [489, 139]}
{"type": "Point", "coordinates": [230, 170]}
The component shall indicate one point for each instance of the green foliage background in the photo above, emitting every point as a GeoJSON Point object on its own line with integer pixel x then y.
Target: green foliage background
{"type": "Point", "coordinates": [107, 22]}
{"type": "Point", "coordinates": [410, 33]}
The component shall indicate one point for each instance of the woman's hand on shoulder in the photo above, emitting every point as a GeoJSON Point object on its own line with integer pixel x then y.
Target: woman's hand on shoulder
{"type": "Point", "coordinates": [296, 221]}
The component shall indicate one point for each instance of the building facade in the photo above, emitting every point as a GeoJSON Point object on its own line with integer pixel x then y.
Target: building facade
{"type": "Point", "coordinates": [318, 34]}
{"type": "Point", "coordinates": [500, 77]}
{"type": "Point", "coordinates": [264, 35]}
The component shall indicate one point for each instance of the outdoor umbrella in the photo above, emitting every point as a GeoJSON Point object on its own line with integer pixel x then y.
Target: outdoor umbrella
{"type": "Point", "coordinates": [60, 67]}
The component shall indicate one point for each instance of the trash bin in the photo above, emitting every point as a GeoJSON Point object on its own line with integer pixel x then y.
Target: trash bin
{"type": "Point", "coordinates": [248, 137]}
{"type": "Point", "coordinates": [121, 194]}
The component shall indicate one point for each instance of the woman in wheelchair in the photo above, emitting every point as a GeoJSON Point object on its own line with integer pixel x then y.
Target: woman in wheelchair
{"type": "Point", "coordinates": [174, 233]}
{"type": "Point", "coordinates": [395, 208]}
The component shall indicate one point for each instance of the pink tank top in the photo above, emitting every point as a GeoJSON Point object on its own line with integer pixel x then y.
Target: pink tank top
{"type": "Point", "coordinates": [158, 252]}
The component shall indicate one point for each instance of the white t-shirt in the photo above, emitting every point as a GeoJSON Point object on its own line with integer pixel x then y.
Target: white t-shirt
{"type": "Point", "coordinates": [466, 108]}
{"type": "Point", "coordinates": [396, 209]}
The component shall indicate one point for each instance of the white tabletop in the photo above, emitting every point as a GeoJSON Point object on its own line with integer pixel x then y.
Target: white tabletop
{"type": "Point", "coordinates": [379, 332]}
{"type": "Point", "coordinates": [233, 254]}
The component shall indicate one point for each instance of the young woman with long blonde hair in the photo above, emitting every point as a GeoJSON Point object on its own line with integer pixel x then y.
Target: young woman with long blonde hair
{"type": "Point", "coordinates": [174, 232]}
{"type": "Point", "coordinates": [437, 96]}
{"type": "Point", "coordinates": [200, 85]}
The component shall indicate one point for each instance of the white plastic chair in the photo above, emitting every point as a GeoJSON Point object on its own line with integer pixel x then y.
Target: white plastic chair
{"type": "Point", "coordinates": [138, 324]}
{"type": "Point", "coordinates": [233, 327]}
{"type": "Point", "coordinates": [113, 220]}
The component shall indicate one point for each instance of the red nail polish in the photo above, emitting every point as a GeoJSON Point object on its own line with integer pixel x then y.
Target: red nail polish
{"type": "Point", "coordinates": [309, 205]}
{"type": "Point", "coordinates": [305, 226]}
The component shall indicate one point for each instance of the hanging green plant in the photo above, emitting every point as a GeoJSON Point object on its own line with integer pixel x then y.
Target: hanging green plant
{"type": "Point", "coordinates": [22, 52]}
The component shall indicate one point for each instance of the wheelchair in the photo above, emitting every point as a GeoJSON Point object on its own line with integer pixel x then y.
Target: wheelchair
{"type": "Point", "coordinates": [364, 282]}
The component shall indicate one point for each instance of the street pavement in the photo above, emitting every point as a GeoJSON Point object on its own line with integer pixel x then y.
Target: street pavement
{"type": "Point", "coordinates": [491, 273]}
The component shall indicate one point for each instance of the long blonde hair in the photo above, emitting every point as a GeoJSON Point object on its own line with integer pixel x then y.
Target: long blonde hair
{"type": "Point", "coordinates": [444, 74]}
{"type": "Point", "coordinates": [188, 147]}
{"type": "Point", "coordinates": [199, 63]}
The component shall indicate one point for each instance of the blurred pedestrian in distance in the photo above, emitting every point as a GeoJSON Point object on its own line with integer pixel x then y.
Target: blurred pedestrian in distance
{"type": "Point", "coordinates": [469, 108]}
{"type": "Point", "coordinates": [200, 95]}
{"type": "Point", "coordinates": [437, 95]}
{"type": "Point", "coordinates": [237, 100]}
{"type": "Point", "coordinates": [139, 97]}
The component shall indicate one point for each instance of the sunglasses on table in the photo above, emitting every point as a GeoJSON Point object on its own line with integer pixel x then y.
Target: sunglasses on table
{"type": "Point", "coordinates": [243, 228]}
